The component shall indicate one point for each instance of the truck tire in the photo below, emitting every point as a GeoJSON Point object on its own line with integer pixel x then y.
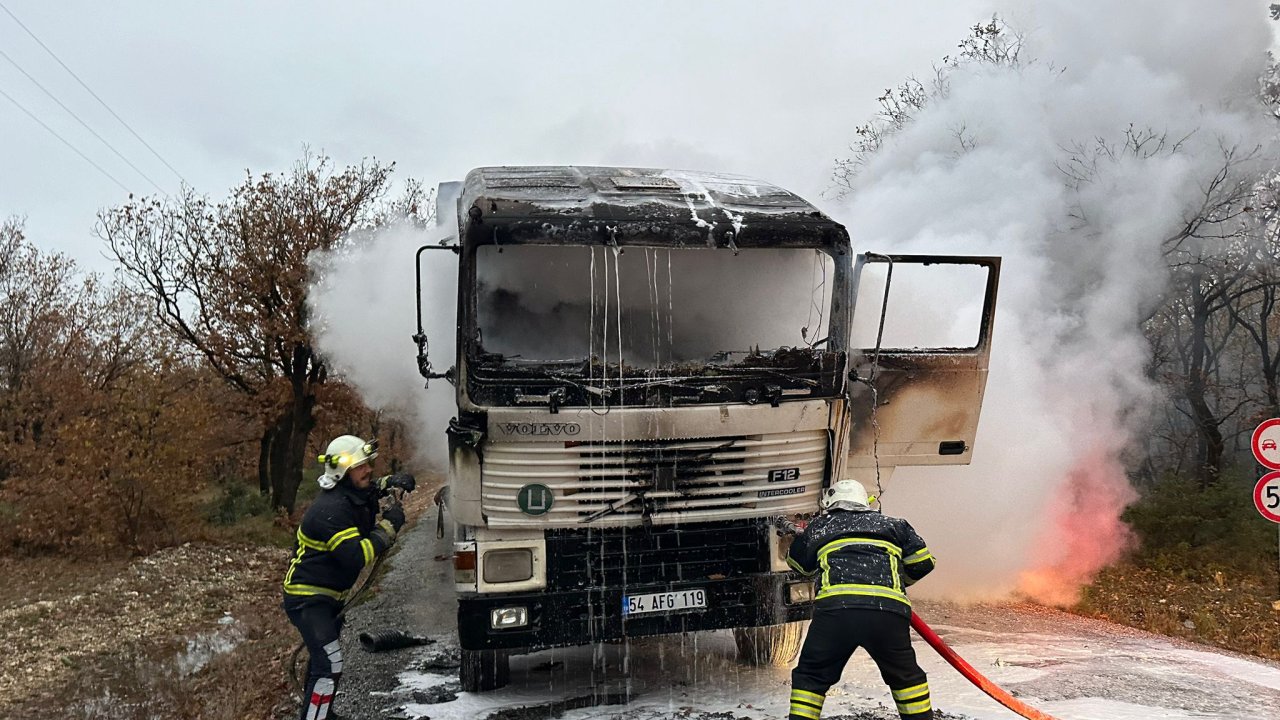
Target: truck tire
{"type": "Point", "coordinates": [484, 670]}
{"type": "Point", "coordinates": [775, 645]}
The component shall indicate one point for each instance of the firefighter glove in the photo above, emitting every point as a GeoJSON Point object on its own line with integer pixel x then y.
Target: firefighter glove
{"type": "Point", "coordinates": [395, 516]}
{"type": "Point", "coordinates": [402, 481]}
{"type": "Point", "coordinates": [384, 531]}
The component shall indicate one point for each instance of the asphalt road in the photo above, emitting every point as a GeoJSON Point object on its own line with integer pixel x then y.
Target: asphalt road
{"type": "Point", "coordinates": [1070, 667]}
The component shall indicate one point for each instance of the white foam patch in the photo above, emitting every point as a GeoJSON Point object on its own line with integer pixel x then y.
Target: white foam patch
{"type": "Point", "coordinates": [1104, 674]}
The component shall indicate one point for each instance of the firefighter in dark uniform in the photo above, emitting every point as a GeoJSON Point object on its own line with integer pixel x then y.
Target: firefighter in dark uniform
{"type": "Point", "coordinates": [864, 561]}
{"type": "Point", "coordinates": [339, 536]}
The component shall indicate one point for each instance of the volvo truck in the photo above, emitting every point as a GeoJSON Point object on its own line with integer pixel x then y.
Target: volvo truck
{"type": "Point", "coordinates": [651, 366]}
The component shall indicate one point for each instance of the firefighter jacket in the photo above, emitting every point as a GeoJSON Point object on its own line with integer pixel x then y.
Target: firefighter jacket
{"type": "Point", "coordinates": [337, 538]}
{"type": "Point", "coordinates": [862, 559]}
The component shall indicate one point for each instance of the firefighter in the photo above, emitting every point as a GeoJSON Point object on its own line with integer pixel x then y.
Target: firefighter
{"type": "Point", "coordinates": [340, 535]}
{"type": "Point", "coordinates": [866, 559]}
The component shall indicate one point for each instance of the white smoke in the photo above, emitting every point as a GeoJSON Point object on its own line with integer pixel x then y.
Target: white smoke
{"type": "Point", "coordinates": [1067, 390]}
{"type": "Point", "coordinates": [1038, 509]}
{"type": "Point", "coordinates": [363, 315]}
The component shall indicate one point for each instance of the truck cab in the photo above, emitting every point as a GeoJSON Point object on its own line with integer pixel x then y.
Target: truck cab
{"type": "Point", "coordinates": [651, 366]}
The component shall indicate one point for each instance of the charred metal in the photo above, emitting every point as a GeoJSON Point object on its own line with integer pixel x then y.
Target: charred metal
{"type": "Point", "coordinates": [625, 208]}
{"type": "Point", "coordinates": [760, 377]}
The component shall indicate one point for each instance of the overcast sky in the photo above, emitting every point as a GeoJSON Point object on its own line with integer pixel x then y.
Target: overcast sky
{"type": "Point", "coordinates": [768, 89]}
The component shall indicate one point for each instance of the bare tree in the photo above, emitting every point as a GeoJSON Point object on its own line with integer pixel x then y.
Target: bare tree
{"type": "Point", "coordinates": [1254, 306]}
{"type": "Point", "coordinates": [989, 43]}
{"type": "Point", "coordinates": [229, 282]}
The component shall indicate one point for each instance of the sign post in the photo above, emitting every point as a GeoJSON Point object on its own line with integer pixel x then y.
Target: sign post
{"type": "Point", "coordinates": [1266, 492]}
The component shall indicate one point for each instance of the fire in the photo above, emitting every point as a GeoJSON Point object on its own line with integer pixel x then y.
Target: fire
{"type": "Point", "coordinates": [1083, 533]}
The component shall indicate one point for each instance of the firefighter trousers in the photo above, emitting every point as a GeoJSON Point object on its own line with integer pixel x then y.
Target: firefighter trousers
{"type": "Point", "coordinates": [834, 635]}
{"type": "Point", "coordinates": [317, 621]}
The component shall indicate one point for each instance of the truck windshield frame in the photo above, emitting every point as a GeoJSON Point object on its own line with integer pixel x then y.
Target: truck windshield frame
{"type": "Point", "coordinates": [812, 367]}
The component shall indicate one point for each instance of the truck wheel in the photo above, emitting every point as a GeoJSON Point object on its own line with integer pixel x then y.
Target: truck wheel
{"type": "Point", "coordinates": [484, 670]}
{"type": "Point", "coordinates": [775, 645]}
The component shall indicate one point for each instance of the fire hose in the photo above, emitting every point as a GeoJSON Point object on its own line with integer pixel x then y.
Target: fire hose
{"type": "Point", "coordinates": [995, 692]}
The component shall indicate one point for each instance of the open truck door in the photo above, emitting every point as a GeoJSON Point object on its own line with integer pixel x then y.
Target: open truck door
{"type": "Point", "coordinates": [920, 347]}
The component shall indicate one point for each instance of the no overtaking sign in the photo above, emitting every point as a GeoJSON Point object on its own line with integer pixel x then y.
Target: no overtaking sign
{"type": "Point", "coordinates": [1266, 444]}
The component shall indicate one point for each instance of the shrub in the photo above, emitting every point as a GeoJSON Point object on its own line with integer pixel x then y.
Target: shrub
{"type": "Point", "coordinates": [1201, 530]}
{"type": "Point", "coordinates": [236, 501]}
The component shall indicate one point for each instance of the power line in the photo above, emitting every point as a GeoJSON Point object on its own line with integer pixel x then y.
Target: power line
{"type": "Point", "coordinates": [82, 122]}
{"type": "Point", "coordinates": [94, 94]}
{"type": "Point", "coordinates": [65, 142]}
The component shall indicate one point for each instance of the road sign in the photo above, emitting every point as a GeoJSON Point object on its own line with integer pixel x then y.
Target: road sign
{"type": "Point", "coordinates": [1266, 443]}
{"type": "Point", "coordinates": [1266, 496]}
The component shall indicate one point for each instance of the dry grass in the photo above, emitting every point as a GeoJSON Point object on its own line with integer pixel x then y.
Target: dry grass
{"type": "Point", "coordinates": [1233, 611]}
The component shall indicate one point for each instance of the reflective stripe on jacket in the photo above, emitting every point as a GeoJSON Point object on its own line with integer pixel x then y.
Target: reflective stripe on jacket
{"type": "Point", "coordinates": [336, 539]}
{"type": "Point", "coordinates": [862, 559]}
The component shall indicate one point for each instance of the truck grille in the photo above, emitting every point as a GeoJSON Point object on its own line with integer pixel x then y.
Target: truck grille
{"type": "Point", "coordinates": [612, 557]}
{"type": "Point", "coordinates": [656, 481]}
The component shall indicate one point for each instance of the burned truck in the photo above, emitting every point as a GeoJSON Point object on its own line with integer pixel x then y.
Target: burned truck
{"type": "Point", "coordinates": [652, 366]}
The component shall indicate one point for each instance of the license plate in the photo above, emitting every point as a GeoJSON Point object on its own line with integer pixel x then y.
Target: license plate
{"type": "Point", "coordinates": [664, 601]}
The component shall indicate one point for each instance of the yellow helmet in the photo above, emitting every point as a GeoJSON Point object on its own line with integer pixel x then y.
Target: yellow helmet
{"type": "Point", "coordinates": [344, 453]}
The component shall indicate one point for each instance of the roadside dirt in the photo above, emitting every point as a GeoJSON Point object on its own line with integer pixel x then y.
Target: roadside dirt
{"type": "Point", "coordinates": [142, 638]}
{"type": "Point", "coordinates": [189, 632]}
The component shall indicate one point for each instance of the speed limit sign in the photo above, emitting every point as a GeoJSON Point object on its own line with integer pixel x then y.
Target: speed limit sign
{"type": "Point", "coordinates": [1266, 496]}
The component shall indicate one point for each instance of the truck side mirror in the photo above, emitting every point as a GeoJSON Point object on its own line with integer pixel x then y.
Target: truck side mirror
{"type": "Point", "coordinates": [424, 361]}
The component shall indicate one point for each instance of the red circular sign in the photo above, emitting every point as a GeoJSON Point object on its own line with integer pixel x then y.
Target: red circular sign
{"type": "Point", "coordinates": [1266, 496]}
{"type": "Point", "coordinates": [1266, 443]}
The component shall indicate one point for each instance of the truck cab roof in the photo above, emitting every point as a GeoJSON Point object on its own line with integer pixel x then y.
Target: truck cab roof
{"type": "Point", "coordinates": [622, 205]}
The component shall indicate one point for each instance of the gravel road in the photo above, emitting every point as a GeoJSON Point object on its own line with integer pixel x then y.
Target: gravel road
{"type": "Point", "coordinates": [416, 596]}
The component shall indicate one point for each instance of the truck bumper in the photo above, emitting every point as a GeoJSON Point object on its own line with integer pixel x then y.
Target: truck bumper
{"type": "Point", "coordinates": [580, 617]}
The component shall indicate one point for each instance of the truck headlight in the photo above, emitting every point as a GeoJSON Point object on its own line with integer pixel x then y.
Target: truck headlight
{"type": "Point", "coordinates": [507, 566]}
{"type": "Point", "coordinates": [506, 618]}
{"type": "Point", "coordinates": [801, 592]}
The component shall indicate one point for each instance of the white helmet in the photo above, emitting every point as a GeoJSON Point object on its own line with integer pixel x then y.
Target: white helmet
{"type": "Point", "coordinates": [344, 453]}
{"type": "Point", "coordinates": [846, 492]}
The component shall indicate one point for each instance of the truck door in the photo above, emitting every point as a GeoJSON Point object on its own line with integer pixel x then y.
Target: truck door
{"type": "Point", "coordinates": [920, 346]}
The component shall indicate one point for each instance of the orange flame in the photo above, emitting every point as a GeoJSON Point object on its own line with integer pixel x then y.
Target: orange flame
{"type": "Point", "coordinates": [1083, 532]}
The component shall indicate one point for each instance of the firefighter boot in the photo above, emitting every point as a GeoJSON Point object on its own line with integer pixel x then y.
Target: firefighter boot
{"type": "Point", "coordinates": [913, 702]}
{"type": "Point", "coordinates": [805, 705]}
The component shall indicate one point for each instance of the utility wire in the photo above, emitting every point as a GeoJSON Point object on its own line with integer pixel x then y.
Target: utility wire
{"type": "Point", "coordinates": [94, 94]}
{"type": "Point", "coordinates": [65, 142]}
{"type": "Point", "coordinates": [82, 122]}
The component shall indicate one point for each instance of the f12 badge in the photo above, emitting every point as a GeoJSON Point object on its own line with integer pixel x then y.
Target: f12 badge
{"type": "Point", "coordinates": [784, 475]}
